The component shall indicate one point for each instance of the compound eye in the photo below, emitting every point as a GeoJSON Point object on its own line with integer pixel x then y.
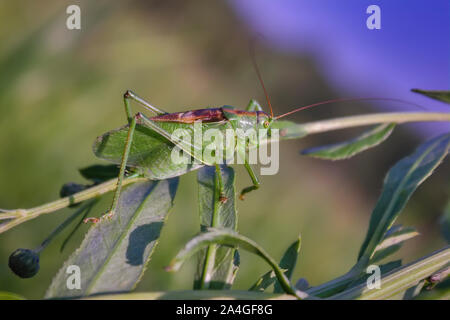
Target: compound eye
{"type": "Point", "coordinates": [266, 124]}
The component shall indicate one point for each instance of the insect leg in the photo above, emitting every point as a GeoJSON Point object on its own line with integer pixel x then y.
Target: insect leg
{"type": "Point", "coordinates": [254, 178]}
{"type": "Point", "coordinates": [253, 105]}
{"type": "Point", "coordinates": [123, 165]}
{"type": "Point", "coordinates": [130, 95]}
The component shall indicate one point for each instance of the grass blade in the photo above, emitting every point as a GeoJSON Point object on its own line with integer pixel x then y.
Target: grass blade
{"type": "Point", "coordinates": [216, 269]}
{"type": "Point", "coordinates": [113, 255]}
{"type": "Point", "coordinates": [348, 149]}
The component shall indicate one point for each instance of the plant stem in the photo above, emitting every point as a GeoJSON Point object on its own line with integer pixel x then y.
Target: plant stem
{"type": "Point", "coordinates": [399, 280]}
{"type": "Point", "coordinates": [363, 120]}
{"type": "Point", "coordinates": [63, 225]}
{"type": "Point", "coordinates": [21, 215]}
{"type": "Point", "coordinates": [210, 255]}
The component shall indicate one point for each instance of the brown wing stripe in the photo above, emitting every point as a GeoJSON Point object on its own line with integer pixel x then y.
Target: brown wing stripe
{"type": "Point", "coordinates": [205, 115]}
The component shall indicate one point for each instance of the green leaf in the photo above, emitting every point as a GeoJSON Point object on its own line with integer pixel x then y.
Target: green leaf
{"type": "Point", "coordinates": [400, 183]}
{"type": "Point", "coordinates": [392, 241]}
{"type": "Point", "coordinates": [100, 173]}
{"type": "Point", "coordinates": [232, 239]}
{"type": "Point", "coordinates": [396, 282]}
{"type": "Point", "coordinates": [441, 95]}
{"type": "Point", "coordinates": [216, 269]}
{"type": "Point", "coordinates": [348, 149]}
{"type": "Point", "coordinates": [265, 281]}
{"type": "Point", "coordinates": [114, 253]}
{"type": "Point", "coordinates": [288, 262]}
{"type": "Point", "coordinates": [384, 269]}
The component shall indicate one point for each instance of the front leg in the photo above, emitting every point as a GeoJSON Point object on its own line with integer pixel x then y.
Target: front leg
{"type": "Point", "coordinates": [123, 166]}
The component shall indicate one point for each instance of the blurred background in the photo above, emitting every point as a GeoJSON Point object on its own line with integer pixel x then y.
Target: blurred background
{"type": "Point", "coordinates": [61, 88]}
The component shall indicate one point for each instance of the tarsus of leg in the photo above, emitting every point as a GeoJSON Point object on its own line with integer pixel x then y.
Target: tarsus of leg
{"type": "Point", "coordinates": [254, 178]}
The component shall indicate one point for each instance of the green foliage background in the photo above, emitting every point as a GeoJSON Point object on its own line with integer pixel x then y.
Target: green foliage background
{"type": "Point", "coordinates": [59, 89]}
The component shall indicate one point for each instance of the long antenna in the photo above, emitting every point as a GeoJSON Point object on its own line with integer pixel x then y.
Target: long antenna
{"type": "Point", "coordinates": [255, 65]}
{"type": "Point", "coordinates": [346, 100]}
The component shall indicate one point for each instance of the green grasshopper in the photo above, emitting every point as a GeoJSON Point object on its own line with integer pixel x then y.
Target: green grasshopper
{"type": "Point", "coordinates": [146, 143]}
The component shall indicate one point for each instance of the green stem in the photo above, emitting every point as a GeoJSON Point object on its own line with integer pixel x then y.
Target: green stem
{"type": "Point", "coordinates": [19, 216]}
{"type": "Point", "coordinates": [368, 119]}
{"type": "Point", "coordinates": [399, 280]}
{"type": "Point", "coordinates": [210, 256]}
{"type": "Point", "coordinates": [63, 225]}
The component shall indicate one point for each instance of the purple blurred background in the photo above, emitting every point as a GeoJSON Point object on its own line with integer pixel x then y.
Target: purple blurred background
{"type": "Point", "coordinates": [411, 50]}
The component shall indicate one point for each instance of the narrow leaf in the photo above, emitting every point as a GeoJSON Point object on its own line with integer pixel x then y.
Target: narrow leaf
{"type": "Point", "coordinates": [348, 149]}
{"type": "Point", "coordinates": [392, 241]}
{"type": "Point", "coordinates": [440, 95]}
{"type": "Point", "coordinates": [87, 210]}
{"type": "Point", "coordinates": [384, 269]}
{"type": "Point", "coordinates": [231, 239]}
{"type": "Point", "coordinates": [400, 183]}
{"type": "Point", "coordinates": [216, 269]}
{"type": "Point", "coordinates": [288, 262]}
{"type": "Point", "coordinates": [396, 282]}
{"type": "Point", "coordinates": [114, 253]}
{"type": "Point", "coordinates": [265, 281]}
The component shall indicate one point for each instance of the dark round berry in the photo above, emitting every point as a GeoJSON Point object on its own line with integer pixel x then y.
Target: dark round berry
{"type": "Point", "coordinates": [24, 263]}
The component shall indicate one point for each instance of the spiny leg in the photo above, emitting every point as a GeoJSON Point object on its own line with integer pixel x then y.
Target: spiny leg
{"type": "Point", "coordinates": [253, 105]}
{"type": "Point", "coordinates": [222, 197]}
{"type": "Point", "coordinates": [123, 165]}
{"type": "Point", "coordinates": [254, 178]}
{"type": "Point", "coordinates": [130, 95]}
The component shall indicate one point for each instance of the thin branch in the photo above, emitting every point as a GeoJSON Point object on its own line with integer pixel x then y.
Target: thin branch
{"type": "Point", "coordinates": [369, 119]}
{"type": "Point", "coordinates": [19, 216]}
